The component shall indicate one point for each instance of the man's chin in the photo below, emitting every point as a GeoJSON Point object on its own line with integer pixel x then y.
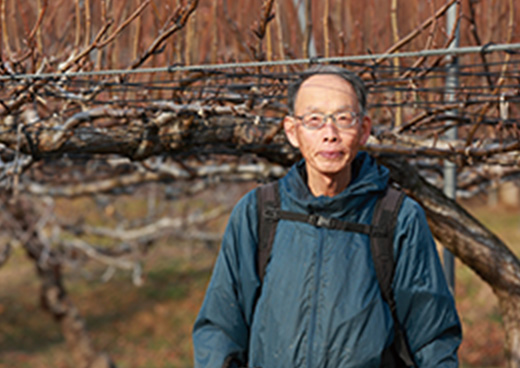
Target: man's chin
{"type": "Point", "coordinates": [333, 172]}
{"type": "Point", "coordinates": [333, 168]}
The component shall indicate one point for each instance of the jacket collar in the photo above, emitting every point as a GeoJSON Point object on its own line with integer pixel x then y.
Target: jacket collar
{"type": "Point", "coordinates": [368, 179]}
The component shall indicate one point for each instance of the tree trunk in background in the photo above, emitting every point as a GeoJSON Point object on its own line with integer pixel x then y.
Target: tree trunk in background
{"type": "Point", "coordinates": [509, 308]}
{"type": "Point", "coordinates": [53, 295]}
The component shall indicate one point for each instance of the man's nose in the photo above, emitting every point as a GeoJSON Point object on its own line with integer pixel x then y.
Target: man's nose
{"type": "Point", "coordinates": [330, 129]}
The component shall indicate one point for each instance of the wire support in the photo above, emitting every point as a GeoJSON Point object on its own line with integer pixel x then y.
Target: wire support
{"type": "Point", "coordinates": [489, 48]}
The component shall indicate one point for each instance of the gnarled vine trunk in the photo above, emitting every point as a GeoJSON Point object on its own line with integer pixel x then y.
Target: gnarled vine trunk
{"type": "Point", "coordinates": [53, 295]}
{"type": "Point", "coordinates": [473, 244]}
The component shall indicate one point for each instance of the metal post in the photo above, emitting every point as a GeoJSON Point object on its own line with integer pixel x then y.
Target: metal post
{"type": "Point", "coordinates": [302, 20]}
{"type": "Point", "coordinates": [450, 169]}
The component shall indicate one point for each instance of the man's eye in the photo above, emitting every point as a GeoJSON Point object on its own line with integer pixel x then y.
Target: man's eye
{"type": "Point", "coordinates": [314, 118]}
{"type": "Point", "coordinates": [343, 118]}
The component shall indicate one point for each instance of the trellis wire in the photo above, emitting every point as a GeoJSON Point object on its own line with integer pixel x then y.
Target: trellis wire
{"type": "Point", "coordinates": [336, 59]}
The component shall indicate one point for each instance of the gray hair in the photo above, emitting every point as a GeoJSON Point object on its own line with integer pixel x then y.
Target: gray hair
{"type": "Point", "coordinates": [351, 78]}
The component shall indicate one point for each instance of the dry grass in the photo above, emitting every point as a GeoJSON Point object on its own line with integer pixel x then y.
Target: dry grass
{"type": "Point", "coordinates": [484, 337]}
{"type": "Point", "coordinates": [149, 326]}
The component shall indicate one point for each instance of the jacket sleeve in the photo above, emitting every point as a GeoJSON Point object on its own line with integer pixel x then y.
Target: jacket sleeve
{"type": "Point", "coordinates": [425, 305]}
{"type": "Point", "coordinates": [221, 330]}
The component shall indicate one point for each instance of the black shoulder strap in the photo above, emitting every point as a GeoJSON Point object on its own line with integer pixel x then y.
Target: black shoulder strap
{"type": "Point", "coordinates": [384, 222]}
{"type": "Point", "coordinates": [268, 201]}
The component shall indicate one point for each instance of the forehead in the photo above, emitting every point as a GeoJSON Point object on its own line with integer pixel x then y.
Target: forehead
{"type": "Point", "coordinates": [327, 88]}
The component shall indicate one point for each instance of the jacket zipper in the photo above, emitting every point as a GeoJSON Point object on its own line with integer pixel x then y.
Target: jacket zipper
{"type": "Point", "coordinates": [314, 310]}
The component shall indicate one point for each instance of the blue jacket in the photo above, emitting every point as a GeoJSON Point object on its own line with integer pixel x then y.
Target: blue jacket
{"type": "Point", "coordinates": [320, 303]}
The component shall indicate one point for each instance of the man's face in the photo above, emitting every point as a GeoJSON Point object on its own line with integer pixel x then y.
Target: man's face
{"type": "Point", "coordinates": [329, 150]}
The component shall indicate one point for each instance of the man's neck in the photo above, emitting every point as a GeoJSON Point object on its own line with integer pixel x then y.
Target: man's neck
{"type": "Point", "coordinates": [328, 185]}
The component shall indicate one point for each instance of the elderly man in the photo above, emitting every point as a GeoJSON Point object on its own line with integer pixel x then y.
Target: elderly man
{"type": "Point", "coordinates": [318, 302]}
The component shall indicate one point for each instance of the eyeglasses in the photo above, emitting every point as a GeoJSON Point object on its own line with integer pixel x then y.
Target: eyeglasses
{"type": "Point", "coordinates": [316, 120]}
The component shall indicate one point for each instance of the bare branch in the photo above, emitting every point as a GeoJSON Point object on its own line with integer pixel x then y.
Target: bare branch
{"type": "Point", "coordinates": [396, 63]}
{"type": "Point", "coordinates": [409, 37]}
{"type": "Point", "coordinates": [159, 228]}
{"type": "Point", "coordinates": [326, 37]}
{"type": "Point", "coordinates": [99, 255]}
{"type": "Point", "coordinates": [180, 22]}
{"type": "Point", "coordinates": [279, 24]}
{"type": "Point", "coordinates": [37, 27]}
{"type": "Point", "coordinates": [224, 172]}
{"type": "Point", "coordinates": [124, 24]}
{"type": "Point", "coordinates": [261, 28]}
{"type": "Point", "coordinates": [88, 23]}
{"type": "Point", "coordinates": [474, 32]}
{"type": "Point", "coordinates": [5, 33]}
{"type": "Point", "coordinates": [78, 25]}
{"type": "Point", "coordinates": [87, 49]}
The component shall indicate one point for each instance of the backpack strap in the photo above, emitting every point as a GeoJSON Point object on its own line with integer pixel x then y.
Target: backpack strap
{"type": "Point", "coordinates": [269, 213]}
{"type": "Point", "coordinates": [381, 245]}
{"type": "Point", "coordinates": [381, 233]}
{"type": "Point", "coordinates": [268, 203]}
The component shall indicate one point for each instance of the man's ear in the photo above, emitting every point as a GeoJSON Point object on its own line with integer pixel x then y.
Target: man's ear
{"type": "Point", "coordinates": [366, 127]}
{"type": "Point", "coordinates": [289, 126]}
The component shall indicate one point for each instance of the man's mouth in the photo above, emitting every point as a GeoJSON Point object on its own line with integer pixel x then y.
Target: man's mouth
{"type": "Point", "coordinates": [331, 155]}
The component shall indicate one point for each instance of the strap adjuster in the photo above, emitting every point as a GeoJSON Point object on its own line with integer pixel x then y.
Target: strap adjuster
{"type": "Point", "coordinates": [319, 221]}
{"type": "Point", "coordinates": [271, 213]}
